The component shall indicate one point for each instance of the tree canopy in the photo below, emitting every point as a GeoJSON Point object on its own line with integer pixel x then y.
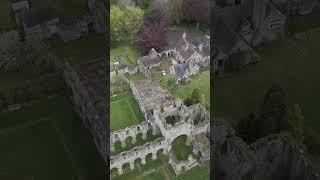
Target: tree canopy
{"type": "Point", "coordinates": [125, 23]}
{"type": "Point", "coordinates": [154, 32]}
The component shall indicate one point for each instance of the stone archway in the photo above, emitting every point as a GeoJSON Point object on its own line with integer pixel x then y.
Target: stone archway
{"type": "Point", "coordinates": [149, 157]}
{"type": "Point", "coordinates": [138, 162]}
{"type": "Point", "coordinates": [160, 152]}
{"type": "Point", "coordinates": [114, 171]}
{"type": "Point", "coordinates": [126, 167]}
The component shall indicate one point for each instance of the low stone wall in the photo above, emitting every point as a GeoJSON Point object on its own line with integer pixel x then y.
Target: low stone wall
{"type": "Point", "coordinates": [181, 166]}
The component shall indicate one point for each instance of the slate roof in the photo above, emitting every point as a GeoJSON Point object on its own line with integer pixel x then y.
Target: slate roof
{"type": "Point", "coordinates": [227, 25]}
{"type": "Point", "coordinates": [122, 66]}
{"type": "Point", "coordinates": [39, 16]}
{"type": "Point", "coordinates": [149, 62]}
{"type": "Point", "coordinates": [180, 69]}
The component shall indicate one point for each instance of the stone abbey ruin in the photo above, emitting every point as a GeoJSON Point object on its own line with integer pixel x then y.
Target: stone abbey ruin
{"type": "Point", "coordinates": [157, 105]}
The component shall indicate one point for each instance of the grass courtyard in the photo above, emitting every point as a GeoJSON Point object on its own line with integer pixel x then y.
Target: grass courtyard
{"type": "Point", "coordinates": [46, 140]}
{"type": "Point", "coordinates": [180, 149]}
{"type": "Point", "coordinates": [124, 112]}
{"type": "Point", "coordinates": [293, 64]}
{"type": "Point", "coordinates": [127, 52]}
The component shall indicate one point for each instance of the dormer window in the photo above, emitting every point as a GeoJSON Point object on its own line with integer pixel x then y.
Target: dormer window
{"type": "Point", "coordinates": [275, 24]}
{"type": "Point", "coordinates": [305, 10]}
{"type": "Point", "coordinates": [245, 28]}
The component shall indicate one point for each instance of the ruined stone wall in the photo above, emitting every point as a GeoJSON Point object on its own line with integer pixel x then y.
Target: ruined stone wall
{"type": "Point", "coordinates": [133, 131]}
{"type": "Point", "coordinates": [139, 152]}
{"type": "Point", "coordinates": [274, 157]}
{"type": "Point", "coordinates": [9, 42]}
{"type": "Point", "coordinates": [86, 110]}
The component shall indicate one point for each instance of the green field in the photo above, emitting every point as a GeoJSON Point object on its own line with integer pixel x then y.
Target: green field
{"type": "Point", "coordinates": [7, 21]}
{"type": "Point", "coordinates": [293, 64]}
{"type": "Point", "coordinates": [124, 112]}
{"type": "Point", "coordinates": [127, 53]}
{"type": "Point", "coordinates": [81, 50]}
{"type": "Point", "coordinates": [201, 81]}
{"type": "Point", "coordinates": [46, 140]}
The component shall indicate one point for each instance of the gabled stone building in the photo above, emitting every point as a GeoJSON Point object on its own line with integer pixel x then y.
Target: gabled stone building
{"type": "Point", "coordinates": [189, 55]}
{"type": "Point", "coordinates": [243, 26]}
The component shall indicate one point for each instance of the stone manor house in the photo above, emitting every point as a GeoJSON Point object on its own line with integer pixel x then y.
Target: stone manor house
{"type": "Point", "coordinates": [186, 58]}
{"type": "Point", "coordinates": [241, 25]}
{"type": "Point", "coordinates": [159, 108]}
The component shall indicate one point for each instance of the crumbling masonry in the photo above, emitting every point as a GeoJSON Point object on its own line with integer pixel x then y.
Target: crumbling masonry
{"type": "Point", "coordinates": [157, 104]}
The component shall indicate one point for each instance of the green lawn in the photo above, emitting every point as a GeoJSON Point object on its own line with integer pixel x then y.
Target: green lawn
{"type": "Point", "coordinates": [127, 53]}
{"type": "Point", "coordinates": [46, 140]}
{"type": "Point", "coordinates": [81, 50]}
{"type": "Point", "coordinates": [124, 112]}
{"type": "Point", "coordinates": [201, 81]}
{"type": "Point", "coordinates": [7, 21]}
{"type": "Point", "coordinates": [293, 64]}
{"type": "Point", "coordinates": [180, 149]}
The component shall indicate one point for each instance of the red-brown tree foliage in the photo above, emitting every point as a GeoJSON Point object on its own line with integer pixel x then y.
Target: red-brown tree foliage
{"type": "Point", "coordinates": [154, 33]}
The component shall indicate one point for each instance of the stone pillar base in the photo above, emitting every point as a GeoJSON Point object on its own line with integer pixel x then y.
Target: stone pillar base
{"type": "Point", "coordinates": [143, 161]}
{"type": "Point", "coordinates": [144, 136]}
{"type": "Point", "coordinates": [134, 139]}
{"type": "Point", "coordinates": [123, 144]}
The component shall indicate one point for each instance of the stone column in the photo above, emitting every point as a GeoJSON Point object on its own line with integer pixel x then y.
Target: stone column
{"type": "Point", "coordinates": [154, 129]}
{"type": "Point", "coordinates": [143, 160]}
{"type": "Point", "coordinates": [132, 165]}
{"type": "Point", "coordinates": [165, 151]}
{"type": "Point", "coordinates": [144, 135]}
{"type": "Point", "coordinates": [120, 171]}
{"type": "Point", "coordinates": [112, 148]}
{"type": "Point", "coordinates": [154, 156]}
{"type": "Point", "coordinates": [134, 139]}
{"type": "Point", "coordinates": [123, 143]}
{"type": "Point", "coordinates": [188, 141]}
